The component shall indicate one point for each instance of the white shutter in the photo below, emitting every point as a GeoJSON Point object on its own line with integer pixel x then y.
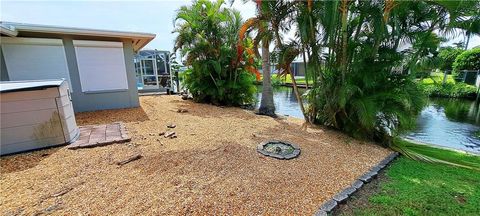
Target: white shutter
{"type": "Point", "coordinates": [101, 65]}
{"type": "Point", "coordinates": [35, 58]}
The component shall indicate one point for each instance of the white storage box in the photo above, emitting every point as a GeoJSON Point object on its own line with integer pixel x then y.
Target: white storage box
{"type": "Point", "coordinates": [35, 114]}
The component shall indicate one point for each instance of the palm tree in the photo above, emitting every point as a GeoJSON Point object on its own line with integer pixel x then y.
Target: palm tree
{"type": "Point", "coordinates": [207, 35]}
{"type": "Point", "coordinates": [464, 16]}
{"type": "Point", "coordinates": [471, 27]}
{"type": "Point", "coordinates": [269, 23]}
{"type": "Point", "coordinates": [267, 107]}
{"type": "Point", "coordinates": [261, 25]}
{"type": "Point", "coordinates": [352, 47]}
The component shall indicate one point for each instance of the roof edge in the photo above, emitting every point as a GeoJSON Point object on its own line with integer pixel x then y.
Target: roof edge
{"type": "Point", "coordinates": [75, 30]}
{"type": "Point", "coordinates": [8, 30]}
{"type": "Point", "coordinates": [142, 38]}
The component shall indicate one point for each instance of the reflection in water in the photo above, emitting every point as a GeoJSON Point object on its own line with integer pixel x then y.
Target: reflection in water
{"type": "Point", "coordinates": [460, 110]}
{"type": "Point", "coordinates": [285, 101]}
{"type": "Point", "coordinates": [446, 122]}
{"type": "Point", "coordinates": [450, 123]}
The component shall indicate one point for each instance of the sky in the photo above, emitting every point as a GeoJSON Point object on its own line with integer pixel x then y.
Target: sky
{"type": "Point", "coordinates": [124, 15]}
{"type": "Point", "coordinates": [139, 16]}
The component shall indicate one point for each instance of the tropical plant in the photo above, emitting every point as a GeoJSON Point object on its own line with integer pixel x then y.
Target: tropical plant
{"type": "Point", "coordinates": [429, 154]}
{"type": "Point", "coordinates": [469, 22]}
{"type": "Point", "coordinates": [269, 24]}
{"type": "Point", "coordinates": [363, 56]}
{"type": "Point", "coordinates": [341, 95]}
{"type": "Point", "coordinates": [423, 55]}
{"type": "Point", "coordinates": [175, 67]}
{"type": "Point", "coordinates": [207, 37]}
{"type": "Point", "coordinates": [363, 84]}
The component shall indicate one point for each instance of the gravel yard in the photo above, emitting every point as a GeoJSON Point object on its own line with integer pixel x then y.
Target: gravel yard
{"type": "Point", "coordinates": [212, 167]}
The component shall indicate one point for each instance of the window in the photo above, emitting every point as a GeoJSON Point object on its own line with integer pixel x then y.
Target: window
{"type": "Point", "coordinates": [101, 65]}
{"type": "Point", "coordinates": [35, 59]}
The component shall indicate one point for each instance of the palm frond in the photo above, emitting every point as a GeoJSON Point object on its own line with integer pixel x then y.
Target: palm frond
{"type": "Point", "coordinates": [429, 154]}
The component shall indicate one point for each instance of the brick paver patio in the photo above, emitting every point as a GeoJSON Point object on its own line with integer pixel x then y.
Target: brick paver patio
{"type": "Point", "coordinates": [99, 135]}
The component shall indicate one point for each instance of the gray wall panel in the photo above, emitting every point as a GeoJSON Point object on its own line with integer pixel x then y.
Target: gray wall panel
{"type": "Point", "coordinates": [3, 67]}
{"type": "Point", "coordinates": [101, 100]}
{"type": "Point", "coordinates": [131, 76]}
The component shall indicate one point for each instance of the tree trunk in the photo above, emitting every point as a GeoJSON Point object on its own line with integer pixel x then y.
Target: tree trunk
{"type": "Point", "coordinates": [343, 60]}
{"type": "Point", "coordinates": [299, 97]}
{"type": "Point", "coordinates": [267, 107]}
{"type": "Point", "coordinates": [305, 67]}
{"type": "Point", "coordinates": [468, 41]}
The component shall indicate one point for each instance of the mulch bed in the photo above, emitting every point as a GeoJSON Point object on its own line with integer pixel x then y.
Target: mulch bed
{"type": "Point", "coordinates": [210, 167]}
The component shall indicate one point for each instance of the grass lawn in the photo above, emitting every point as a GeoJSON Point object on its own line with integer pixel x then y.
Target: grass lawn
{"type": "Point", "coordinates": [433, 86]}
{"type": "Point", "coordinates": [288, 79]}
{"type": "Point", "coordinates": [441, 155]}
{"type": "Point", "coordinates": [438, 78]}
{"type": "Point", "coordinates": [410, 187]}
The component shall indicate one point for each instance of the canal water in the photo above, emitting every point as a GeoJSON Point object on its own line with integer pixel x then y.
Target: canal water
{"type": "Point", "coordinates": [285, 101]}
{"type": "Point", "coordinates": [452, 123]}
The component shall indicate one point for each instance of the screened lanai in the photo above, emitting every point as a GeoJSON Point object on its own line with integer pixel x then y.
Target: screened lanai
{"type": "Point", "coordinates": [153, 71]}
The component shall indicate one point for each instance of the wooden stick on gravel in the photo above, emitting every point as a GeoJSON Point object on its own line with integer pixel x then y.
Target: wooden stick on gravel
{"type": "Point", "coordinates": [65, 190]}
{"type": "Point", "coordinates": [130, 159]}
{"type": "Point", "coordinates": [62, 192]}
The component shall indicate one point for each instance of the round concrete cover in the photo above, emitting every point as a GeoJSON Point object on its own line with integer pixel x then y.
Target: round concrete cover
{"type": "Point", "coordinates": [279, 149]}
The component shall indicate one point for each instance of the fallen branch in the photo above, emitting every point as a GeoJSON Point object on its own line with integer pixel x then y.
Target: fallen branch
{"type": "Point", "coordinates": [62, 192]}
{"type": "Point", "coordinates": [130, 159]}
{"type": "Point", "coordinates": [170, 134]}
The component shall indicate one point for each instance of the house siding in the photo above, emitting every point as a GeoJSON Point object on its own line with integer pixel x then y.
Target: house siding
{"type": "Point", "coordinates": [82, 101]}
{"type": "Point", "coordinates": [298, 68]}
{"type": "Point", "coordinates": [101, 100]}
{"type": "Point", "coordinates": [3, 68]}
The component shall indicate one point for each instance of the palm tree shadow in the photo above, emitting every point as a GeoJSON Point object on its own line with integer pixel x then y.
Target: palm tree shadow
{"type": "Point", "coordinates": [212, 111]}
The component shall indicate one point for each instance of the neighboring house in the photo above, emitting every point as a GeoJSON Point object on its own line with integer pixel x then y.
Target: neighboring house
{"type": "Point", "coordinates": [298, 68]}
{"type": "Point", "coordinates": [468, 76]}
{"type": "Point", "coordinates": [98, 64]}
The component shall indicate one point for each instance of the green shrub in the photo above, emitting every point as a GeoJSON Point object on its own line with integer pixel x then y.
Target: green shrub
{"type": "Point", "coordinates": [448, 56]}
{"type": "Point", "coordinates": [372, 105]}
{"type": "Point", "coordinates": [277, 81]}
{"type": "Point", "coordinates": [468, 60]}
{"type": "Point", "coordinates": [452, 90]}
{"type": "Point", "coordinates": [227, 92]}
{"type": "Point", "coordinates": [207, 37]}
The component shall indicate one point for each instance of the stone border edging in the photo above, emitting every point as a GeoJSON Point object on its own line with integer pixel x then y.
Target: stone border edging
{"type": "Point", "coordinates": [341, 197]}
